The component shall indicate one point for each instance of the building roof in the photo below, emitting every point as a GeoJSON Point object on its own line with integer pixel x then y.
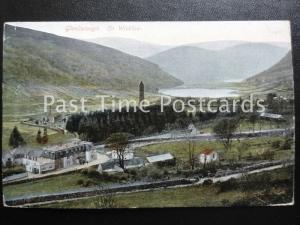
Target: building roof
{"type": "Point", "coordinates": [60, 151]}
{"type": "Point", "coordinates": [55, 148]}
{"type": "Point", "coordinates": [271, 115]}
{"type": "Point", "coordinates": [42, 160]}
{"type": "Point", "coordinates": [109, 164]}
{"type": "Point", "coordinates": [19, 150]}
{"type": "Point", "coordinates": [159, 158]}
{"type": "Point", "coordinates": [207, 151]}
{"type": "Point", "coordinates": [35, 153]}
{"type": "Point", "coordinates": [7, 156]}
{"type": "Point", "coordinates": [134, 161]}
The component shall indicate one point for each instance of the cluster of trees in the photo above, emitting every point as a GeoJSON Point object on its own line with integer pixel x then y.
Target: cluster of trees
{"type": "Point", "coordinates": [42, 139]}
{"type": "Point", "coordinates": [98, 126]}
{"type": "Point", "coordinates": [16, 139]}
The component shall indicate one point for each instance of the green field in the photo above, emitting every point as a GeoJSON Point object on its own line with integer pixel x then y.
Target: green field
{"type": "Point", "coordinates": [196, 196]}
{"type": "Point", "coordinates": [253, 146]}
{"type": "Point", "coordinates": [69, 181]}
{"type": "Point", "coordinates": [49, 185]}
{"type": "Point", "coordinates": [29, 135]}
{"type": "Point", "coordinates": [175, 197]}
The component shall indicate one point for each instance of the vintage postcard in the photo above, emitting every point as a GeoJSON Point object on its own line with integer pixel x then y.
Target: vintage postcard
{"type": "Point", "coordinates": [147, 114]}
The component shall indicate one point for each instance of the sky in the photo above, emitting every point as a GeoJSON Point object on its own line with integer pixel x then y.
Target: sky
{"type": "Point", "coordinates": [169, 33]}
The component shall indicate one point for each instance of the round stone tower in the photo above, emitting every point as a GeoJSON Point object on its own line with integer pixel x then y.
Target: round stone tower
{"type": "Point", "coordinates": [141, 87]}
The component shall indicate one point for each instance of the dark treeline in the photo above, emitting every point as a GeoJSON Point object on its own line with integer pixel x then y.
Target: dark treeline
{"type": "Point", "coordinates": [97, 126]}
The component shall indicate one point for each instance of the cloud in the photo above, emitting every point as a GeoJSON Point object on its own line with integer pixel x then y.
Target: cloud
{"type": "Point", "coordinates": [170, 33]}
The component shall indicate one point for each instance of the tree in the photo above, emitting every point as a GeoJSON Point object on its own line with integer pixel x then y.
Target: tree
{"type": "Point", "coordinates": [39, 137]}
{"type": "Point", "coordinates": [45, 136]}
{"type": "Point", "coordinates": [118, 142]}
{"type": "Point", "coordinates": [15, 139]}
{"type": "Point", "coordinates": [190, 150]}
{"type": "Point", "coordinates": [224, 130]}
{"type": "Point", "coordinates": [9, 163]}
{"type": "Point", "coordinates": [240, 148]}
{"type": "Point", "coordinates": [252, 119]}
{"type": "Point", "coordinates": [191, 154]}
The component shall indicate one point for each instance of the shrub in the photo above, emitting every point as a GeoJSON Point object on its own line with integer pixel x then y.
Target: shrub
{"type": "Point", "coordinates": [93, 173]}
{"type": "Point", "coordinates": [207, 182]}
{"type": "Point", "coordinates": [132, 172]}
{"type": "Point", "coordinates": [120, 176]}
{"type": "Point", "coordinates": [165, 172]}
{"type": "Point", "coordinates": [84, 171]}
{"type": "Point", "coordinates": [9, 163]}
{"type": "Point", "coordinates": [228, 185]}
{"type": "Point", "coordinates": [276, 144]}
{"type": "Point", "coordinates": [268, 155]}
{"type": "Point", "coordinates": [257, 182]}
{"type": "Point", "coordinates": [287, 144]}
{"type": "Point", "coordinates": [88, 183]}
{"type": "Point", "coordinates": [155, 174]}
{"type": "Point", "coordinates": [104, 175]}
{"type": "Point", "coordinates": [80, 182]}
{"type": "Point", "coordinates": [13, 170]}
{"type": "Point", "coordinates": [143, 171]}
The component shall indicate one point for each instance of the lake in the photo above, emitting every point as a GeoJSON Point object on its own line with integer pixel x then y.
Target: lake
{"type": "Point", "coordinates": [199, 92]}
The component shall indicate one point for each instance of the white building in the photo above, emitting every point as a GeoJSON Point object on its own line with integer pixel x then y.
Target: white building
{"type": "Point", "coordinates": [73, 153]}
{"type": "Point", "coordinates": [38, 165]}
{"type": "Point", "coordinates": [271, 116]}
{"type": "Point", "coordinates": [208, 156]}
{"type": "Point", "coordinates": [192, 129]}
{"type": "Point", "coordinates": [15, 156]}
{"type": "Point", "coordinates": [160, 158]}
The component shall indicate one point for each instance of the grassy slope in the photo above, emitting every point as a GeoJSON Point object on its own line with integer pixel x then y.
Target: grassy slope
{"type": "Point", "coordinates": [45, 58]}
{"type": "Point", "coordinates": [37, 63]}
{"type": "Point", "coordinates": [199, 196]}
{"type": "Point", "coordinates": [29, 134]}
{"type": "Point", "coordinates": [278, 78]}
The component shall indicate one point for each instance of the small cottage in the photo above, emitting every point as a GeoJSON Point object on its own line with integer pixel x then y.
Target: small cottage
{"type": "Point", "coordinates": [192, 129]}
{"type": "Point", "coordinates": [208, 155]}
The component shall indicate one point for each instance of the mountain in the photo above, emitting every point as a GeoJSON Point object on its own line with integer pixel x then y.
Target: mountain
{"type": "Point", "coordinates": [130, 46]}
{"type": "Point", "coordinates": [193, 65]}
{"type": "Point", "coordinates": [36, 64]}
{"type": "Point", "coordinates": [216, 45]}
{"type": "Point", "coordinates": [38, 58]}
{"type": "Point", "coordinates": [277, 77]}
{"type": "Point", "coordinates": [221, 45]}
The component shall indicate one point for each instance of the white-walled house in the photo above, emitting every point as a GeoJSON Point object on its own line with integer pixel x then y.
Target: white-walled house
{"type": "Point", "coordinates": [192, 129]}
{"type": "Point", "coordinates": [73, 153]}
{"type": "Point", "coordinates": [38, 165]}
{"type": "Point", "coordinates": [52, 157]}
{"type": "Point", "coordinates": [15, 156]}
{"type": "Point", "coordinates": [208, 156]}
